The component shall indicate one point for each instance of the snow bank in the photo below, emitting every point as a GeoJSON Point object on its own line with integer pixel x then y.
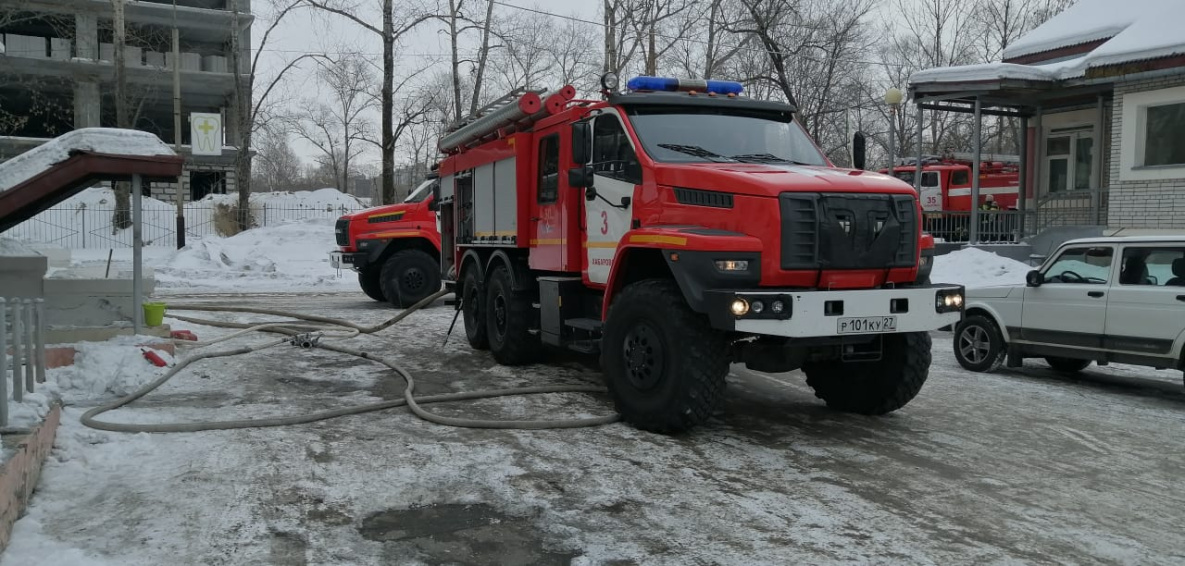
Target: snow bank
{"type": "Point", "coordinates": [100, 140]}
{"type": "Point", "coordinates": [293, 256]}
{"type": "Point", "coordinates": [8, 246]}
{"type": "Point", "coordinates": [103, 370]}
{"type": "Point", "coordinates": [973, 267]}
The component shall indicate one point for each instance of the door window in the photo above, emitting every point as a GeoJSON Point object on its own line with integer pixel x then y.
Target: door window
{"type": "Point", "coordinates": [1069, 161]}
{"type": "Point", "coordinates": [1086, 265]}
{"type": "Point", "coordinates": [1153, 266]}
{"type": "Point", "coordinates": [549, 169]}
{"type": "Point", "coordinates": [613, 156]}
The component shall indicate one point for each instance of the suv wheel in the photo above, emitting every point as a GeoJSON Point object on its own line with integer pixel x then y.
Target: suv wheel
{"type": "Point", "coordinates": [979, 345]}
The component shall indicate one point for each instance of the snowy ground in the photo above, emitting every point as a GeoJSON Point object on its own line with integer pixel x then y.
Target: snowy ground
{"type": "Point", "coordinates": [1015, 467]}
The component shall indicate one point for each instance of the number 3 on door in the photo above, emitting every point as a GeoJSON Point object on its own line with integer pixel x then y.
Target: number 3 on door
{"type": "Point", "coordinates": [604, 222]}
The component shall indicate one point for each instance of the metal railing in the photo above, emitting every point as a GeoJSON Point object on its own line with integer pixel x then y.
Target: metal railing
{"type": "Point", "coordinates": [79, 227]}
{"type": "Point", "coordinates": [22, 324]}
{"type": "Point", "coordinates": [995, 226]}
{"type": "Point", "coordinates": [1071, 208]}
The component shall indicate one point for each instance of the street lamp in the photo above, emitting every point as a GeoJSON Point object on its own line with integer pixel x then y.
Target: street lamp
{"type": "Point", "coordinates": [893, 97]}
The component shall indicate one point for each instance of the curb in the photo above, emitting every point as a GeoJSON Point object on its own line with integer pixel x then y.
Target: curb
{"type": "Point", "coordinates": [18, 475]}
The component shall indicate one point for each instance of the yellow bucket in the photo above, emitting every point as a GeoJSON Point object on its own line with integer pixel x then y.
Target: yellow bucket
{"type": "Point", "coordinates": [154, 314]}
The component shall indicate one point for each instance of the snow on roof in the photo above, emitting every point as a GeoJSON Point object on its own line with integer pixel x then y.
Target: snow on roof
{"type": "Point", "coordinates": [1066, 69]}
{"type": "Point", "coordinates": [99, 140]}
{"type": "Point", "coordinates": [1142, 29]}
{"type": "Point", "coordinates": [1138, 26]}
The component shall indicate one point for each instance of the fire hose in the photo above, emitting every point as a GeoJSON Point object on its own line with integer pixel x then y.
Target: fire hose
{"type": "Point", "coordinates": [312, 331]}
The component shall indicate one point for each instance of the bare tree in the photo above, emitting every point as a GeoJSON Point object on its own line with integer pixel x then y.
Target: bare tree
{"type": "Point", "coordinates": [276, 165]}
{"type": "Point", "coordinates": [338, 127]}
{"type": "Point", "coordinates": [398, 20]}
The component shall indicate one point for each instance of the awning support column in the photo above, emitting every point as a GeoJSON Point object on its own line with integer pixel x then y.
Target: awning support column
{"type": "Point", "coordinates": [1022, 192]}
{"type": "Point", "coordinates": [977, 139]}
{"type": "Point", "coordinates": [137, 258]}
{"type": "Point", "coordinates": [917, 176]}
{"type": "Point", "coordinates": [1096, 189]}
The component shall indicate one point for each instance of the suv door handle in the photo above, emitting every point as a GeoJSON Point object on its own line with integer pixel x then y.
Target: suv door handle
{"type": "Point", "coordinates": [1181, 297]}
{"type": "Point", "coordinates": [1095, 294]}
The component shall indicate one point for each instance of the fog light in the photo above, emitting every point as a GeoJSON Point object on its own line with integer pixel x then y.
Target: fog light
{"type": "Point", "coordinates": [777, 307]}
{"type": "Point", "coordinates": [732, 265]}
{"type": "Point", "coordinates": [740, 307]}
{"type": "Point", "coordinates": [757, 307]}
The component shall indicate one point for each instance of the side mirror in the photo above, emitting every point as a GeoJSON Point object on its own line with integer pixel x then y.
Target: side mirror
{"type": "Point", "coordinates": [859, 148]}
{"type": "Point", "coordinates": [1034, 278]}
{"type": "Point", "coordinates": [580, 177]}
{"type": "Point", "coordinates": [581, 143]}
{"type": "Point", "coordinates": [434, 203]}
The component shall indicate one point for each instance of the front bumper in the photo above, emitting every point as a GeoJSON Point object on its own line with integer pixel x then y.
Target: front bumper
{"type": "Point", "coordinates": [812, 314]}
{"type": "Point", "coordinates": [346, 260]}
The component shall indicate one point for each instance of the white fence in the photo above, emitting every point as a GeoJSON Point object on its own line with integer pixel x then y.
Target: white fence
{"type": "Point", "coordinates": [22, 347]}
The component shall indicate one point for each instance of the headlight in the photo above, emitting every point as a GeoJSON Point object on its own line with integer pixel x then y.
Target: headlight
{"type": "Point", "coordinates": [732, 264]}
{"type": "Point", "coordinates": [761, 307]}
{"type": "Point", "coordinates": [740, 307]}
{"type": "Point", "coordinates": [949, 300]}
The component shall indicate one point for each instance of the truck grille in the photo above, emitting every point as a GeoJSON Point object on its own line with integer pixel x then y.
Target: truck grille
{"type": "Point", "coordinates": [342, 231]}
{"type": "Point", "coordinates": [847, 231]}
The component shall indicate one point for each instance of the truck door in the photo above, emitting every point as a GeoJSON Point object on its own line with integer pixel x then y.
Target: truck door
{"type": "Point", "coordinates": [547, 236]}
{"type": "Point", "coordinates": [930, 191]}
{"type": "Point", "coordinates": [616, 171]}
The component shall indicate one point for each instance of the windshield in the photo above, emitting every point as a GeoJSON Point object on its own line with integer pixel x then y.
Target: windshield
{"type": "Point", "coordinates": [680, 135]}
{"type": "Point", "coordinates": [421, 193]}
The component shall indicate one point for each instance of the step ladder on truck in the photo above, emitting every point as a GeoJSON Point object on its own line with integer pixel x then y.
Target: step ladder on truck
{"type": "Point", "coordinates": [678, 227]}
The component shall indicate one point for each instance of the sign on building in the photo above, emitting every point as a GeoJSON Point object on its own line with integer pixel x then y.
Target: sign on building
{"type": "Point", "coordinates": [205, 131]}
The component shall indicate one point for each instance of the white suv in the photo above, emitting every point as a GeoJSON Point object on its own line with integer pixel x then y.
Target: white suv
{"type": "Point", "coordinates": [1098, 299]}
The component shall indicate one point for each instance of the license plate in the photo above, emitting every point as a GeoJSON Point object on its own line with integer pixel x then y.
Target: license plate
{"type": "Point", "coordinates": [339, 260]}
{"type": "Point", "coordinates": [867, 325]}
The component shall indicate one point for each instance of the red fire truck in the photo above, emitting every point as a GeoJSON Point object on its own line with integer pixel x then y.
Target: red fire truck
{"type": "Point", "coordinates": [395, 248]}
{"type": "Point", "coordinates": [679, 227]}
{"type": "Point", "coordinates": [945, 192]}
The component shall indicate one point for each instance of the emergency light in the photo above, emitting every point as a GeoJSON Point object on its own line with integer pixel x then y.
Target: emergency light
{"type": "Point", "coordinates": [672, 85]}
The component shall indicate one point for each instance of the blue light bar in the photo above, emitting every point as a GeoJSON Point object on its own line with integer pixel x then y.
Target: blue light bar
{"type": "Point", "coordinates": [671, 85]}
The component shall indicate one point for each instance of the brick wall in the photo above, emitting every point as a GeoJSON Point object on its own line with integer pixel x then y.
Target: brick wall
{"type": "Point", "coordinates": [1157, 204]}
{"type": "Point", "coordinates": [168, 191]}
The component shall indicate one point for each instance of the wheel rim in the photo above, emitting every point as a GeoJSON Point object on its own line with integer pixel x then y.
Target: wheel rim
{"type": "Point", "coordinates": [975, 344]}
{"type": "Point", "coordinates": [413, 280]}
{"type": "Point", "coordinates": [500, 315]}
{"type": "Point", "coordinates": [470, 305]}
{"type": "Point", "coordinates": [644, 356]}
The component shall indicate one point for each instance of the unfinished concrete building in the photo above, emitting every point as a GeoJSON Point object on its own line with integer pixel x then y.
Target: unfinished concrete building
{"type": "Point", "coordinates": [57, 73]}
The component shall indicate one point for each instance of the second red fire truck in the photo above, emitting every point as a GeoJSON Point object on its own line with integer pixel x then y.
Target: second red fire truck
{"type": "Point", "coordinates": [675, 229]}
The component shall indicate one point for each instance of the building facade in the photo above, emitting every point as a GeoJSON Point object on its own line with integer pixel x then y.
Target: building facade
{"type": "Point", "coordinates": [1101, 95]}
{"type": "Point", "coordinates": [58, 73]}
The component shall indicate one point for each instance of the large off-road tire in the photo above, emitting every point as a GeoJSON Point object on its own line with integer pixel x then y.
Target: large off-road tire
{"type": "Point", "coordinates": [1068, 366]}
{"type": "Point", "coordinates": [874, 388]}
{"type": "Point", "coordinates": [473, 309]}
{"type": "Point", "coordinates": [510, 317]}
{"type": "Point", "coordinates": [979, 345]}
{"type": "Point", "coordinates": [664, 365]}
{"type": "Point", "coordinates": [408, 277]}
{"type": "Point", "coordinates": [369, 278]}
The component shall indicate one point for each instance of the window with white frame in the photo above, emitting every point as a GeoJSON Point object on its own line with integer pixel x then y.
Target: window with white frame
{"type": "Point", "coordinates": [1152, 141]}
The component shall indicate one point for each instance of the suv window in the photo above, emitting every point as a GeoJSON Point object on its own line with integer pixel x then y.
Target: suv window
{"type": "Point", "coordinates": [1089, 265]}
{"type": "Point", "coordinates": [1152, 266]}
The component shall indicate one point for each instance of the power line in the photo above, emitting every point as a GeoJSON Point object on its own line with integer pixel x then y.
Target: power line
{"type": "Point", "coordinates": [672, 38]}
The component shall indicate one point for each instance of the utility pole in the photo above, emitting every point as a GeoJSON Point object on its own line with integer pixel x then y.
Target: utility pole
{"type": "Point", "coordinates": [177, 124]}
{"type": "Point", "coordinates": [121, 84]}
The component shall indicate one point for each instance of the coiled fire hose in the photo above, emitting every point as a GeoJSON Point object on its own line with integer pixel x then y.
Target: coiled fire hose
{"type": "Point", "coordinates": [325, 327]}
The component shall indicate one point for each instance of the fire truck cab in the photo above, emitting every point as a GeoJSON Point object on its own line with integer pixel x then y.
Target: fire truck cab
{"type": "Point", "coordinates": [395, 249]}
{"type": "Point", "coordinates": [675, 229]}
